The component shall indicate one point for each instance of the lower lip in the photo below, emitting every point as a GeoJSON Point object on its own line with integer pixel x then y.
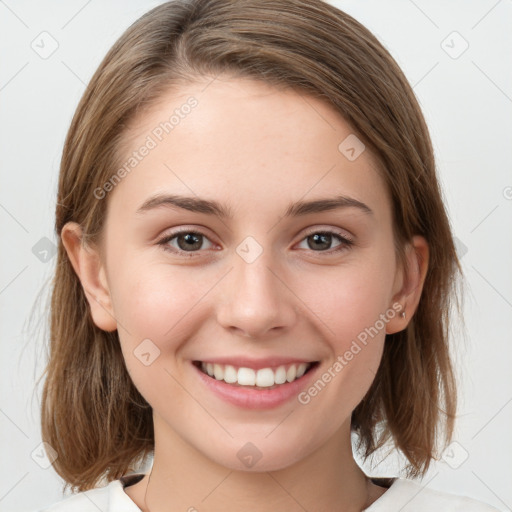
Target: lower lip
{"type": "Point", "coordinates": [250, 398]}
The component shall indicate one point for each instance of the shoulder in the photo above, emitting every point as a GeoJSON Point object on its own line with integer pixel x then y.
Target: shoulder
{"type": "Point", "coordinates": [110, 498]}
{"type": "Point", "coordinates": [410, 496]}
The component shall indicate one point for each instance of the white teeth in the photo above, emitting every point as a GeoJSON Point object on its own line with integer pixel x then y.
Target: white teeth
{"type": "Point", "coordinates": [291, 373]}
{"type": "Point", "coordinates": [280, 376]}
{"type": "Point", "coordinates": [263, 378]}
{"type": "Point", "coordinates": [246, 377]}
{"type": "Point", "coordinates": [301, 370]}
{"type": "Point", "coordinates": [230, 374]}
{"type": "Point", "coordinates": [218, 372]}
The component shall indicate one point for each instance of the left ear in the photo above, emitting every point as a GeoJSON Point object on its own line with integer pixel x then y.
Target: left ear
{"type": "Point", "coordinates": [412, 279]}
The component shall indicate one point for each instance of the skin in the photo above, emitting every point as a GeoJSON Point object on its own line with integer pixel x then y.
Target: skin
{"type": "Point", "coordinates": [255, 149]}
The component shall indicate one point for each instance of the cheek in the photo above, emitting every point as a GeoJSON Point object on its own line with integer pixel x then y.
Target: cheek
{"type": "Point", "coordinates": [349, 300]}
{"type": "Point", "coordinates": [164, 304]}
{"type": "Point", "coordinates": [152, 300]}
{"type": "Point", "coordinates": [353, 311]}
{"type": "Point", "coordinates": [153, 306]}
{"type": "Point", "coordinates": [352, 305]}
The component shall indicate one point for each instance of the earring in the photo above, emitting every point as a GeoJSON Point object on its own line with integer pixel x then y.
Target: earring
{"type": "Point", "coordinates": [402, 314]}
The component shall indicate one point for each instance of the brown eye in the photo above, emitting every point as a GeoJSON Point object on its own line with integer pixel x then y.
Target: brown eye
{"type": "Point", "coordinates": [321, 241]}
{"type": "Point", "coordinates": [189, 241]}
{"type": "Point", "coordinates": [185, 241]}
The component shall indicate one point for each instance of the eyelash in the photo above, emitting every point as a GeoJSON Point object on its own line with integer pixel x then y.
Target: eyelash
{"type": "Point", "coordinates": [346, 242]}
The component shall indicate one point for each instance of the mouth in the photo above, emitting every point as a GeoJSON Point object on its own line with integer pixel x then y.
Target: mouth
{"type": "Point", "coordinates": [259, 379]}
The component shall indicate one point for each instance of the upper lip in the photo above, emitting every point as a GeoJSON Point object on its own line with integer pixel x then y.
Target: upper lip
{"type": "Point", "coordinates": [255, 364]}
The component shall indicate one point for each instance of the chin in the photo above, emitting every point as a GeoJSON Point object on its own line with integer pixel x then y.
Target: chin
{"type": "Point", "coordinates": [260, 455]}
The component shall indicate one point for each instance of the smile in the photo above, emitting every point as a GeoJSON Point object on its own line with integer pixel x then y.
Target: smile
{"type": "Point", "coordinates": [262, 378]}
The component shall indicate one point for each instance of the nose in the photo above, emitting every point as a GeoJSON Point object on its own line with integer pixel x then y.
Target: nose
{"type": "Point", "coordinates": [255, 299]}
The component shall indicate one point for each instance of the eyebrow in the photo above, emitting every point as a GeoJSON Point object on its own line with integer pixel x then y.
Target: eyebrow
{"type": "Point", "coordinates": [211, 207]}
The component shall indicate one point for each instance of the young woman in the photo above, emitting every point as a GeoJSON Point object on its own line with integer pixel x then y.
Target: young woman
{"type": "Point", "coordinates": [255, 264]}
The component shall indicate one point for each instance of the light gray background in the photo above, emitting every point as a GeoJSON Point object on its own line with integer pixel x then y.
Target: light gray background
{"type": "Point", "coordinates": [467, 101]}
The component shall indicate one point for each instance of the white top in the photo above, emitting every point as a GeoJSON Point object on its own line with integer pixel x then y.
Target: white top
{"type": "Point", "coordinates": [404, 495]}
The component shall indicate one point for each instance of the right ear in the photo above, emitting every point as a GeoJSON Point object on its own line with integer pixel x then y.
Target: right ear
{"type": "Point", "coordinates": [90, 270]}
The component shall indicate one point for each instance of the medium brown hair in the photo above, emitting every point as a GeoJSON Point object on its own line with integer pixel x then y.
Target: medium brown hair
{"type": "Point", "coordinates": [92, 414]}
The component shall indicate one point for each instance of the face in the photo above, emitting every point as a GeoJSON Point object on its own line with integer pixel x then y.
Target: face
{"type": "Point", "coordinates": [267, 286]}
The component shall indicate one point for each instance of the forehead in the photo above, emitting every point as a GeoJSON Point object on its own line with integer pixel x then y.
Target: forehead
{"type": "Point", "coordinates": [248, 143]}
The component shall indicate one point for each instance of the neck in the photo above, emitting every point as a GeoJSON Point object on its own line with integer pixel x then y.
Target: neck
{"type": "Point", "coordinates": [182, 478]}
